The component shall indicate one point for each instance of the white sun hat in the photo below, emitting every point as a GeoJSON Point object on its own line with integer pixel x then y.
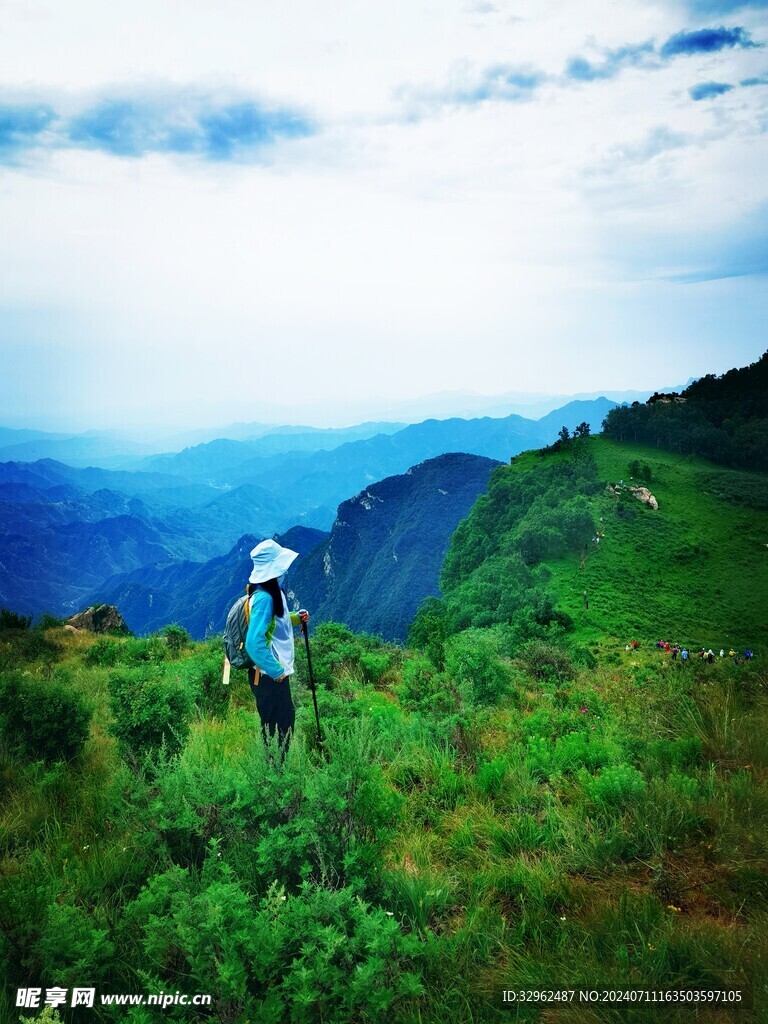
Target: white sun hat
{"type": "Point", "coordinates": [270, 560]}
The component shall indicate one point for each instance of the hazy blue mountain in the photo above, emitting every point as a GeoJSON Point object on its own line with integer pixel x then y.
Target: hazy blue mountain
{"type": "Point", "coordinates": [214, 459]}
{"type": "Point", "coordinates": [326, 477]}
{"type": "Point", "coordinates": [387, 544]}
{"type": "Point", "coordinates": [13, 435]}
{"type": "Point", "coordinates": [592, 411]}
{"type": "Point", "coordinates": [80, 450]}
{"type": "Point", "coordinates": [194, 594]}
{"type": "Point", "coordinates": [53, 566]}
{"type": "Point", "coordinates": [224, 492]}
{"type": "Point", "coordinates": [49, 473]}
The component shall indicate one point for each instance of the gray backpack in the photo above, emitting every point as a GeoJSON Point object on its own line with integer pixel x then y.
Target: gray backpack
{"type": "Point", "coordinates": [234, 633]}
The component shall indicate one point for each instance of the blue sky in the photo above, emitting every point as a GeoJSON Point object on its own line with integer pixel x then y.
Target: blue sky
{"type": "Point", "coordinates": [216, 210]}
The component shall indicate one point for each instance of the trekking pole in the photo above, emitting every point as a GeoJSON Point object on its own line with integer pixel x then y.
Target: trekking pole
{"type": "Point", "coordinates": [312, 682]}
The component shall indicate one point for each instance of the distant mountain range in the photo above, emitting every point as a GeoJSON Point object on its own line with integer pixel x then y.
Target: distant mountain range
{"type": "Point", "coordinates": [381, 559]}
{"type": "Point", "coordinates": [193, 505]}
{"type": "Point", "coordinates": [114, 449]}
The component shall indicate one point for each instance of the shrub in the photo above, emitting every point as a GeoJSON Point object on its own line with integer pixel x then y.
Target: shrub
{"type": "Point", "coordinates": [105, 652]}
{"type": "Point", "coordinates": [149, 708]}
{"type": "Point", "coordinates": [177, 638]}
{"type": "Point", "coordinates": [326, 821]}
{"type": "Point", "coordinates": [75, 944]}
{"type": "Point", "coordinates": [138, 650]}
{"type": "Point", "coordinates": [48, 1016]}
{"type": "Point", "coordinates": [334, 648]}
{"type": "Point", "coordinates": [374, 664]}
{"type": "Point", "coordinates": [615, 786]}
{"type": "Point", "coordinates": [546, 661]}
{"type": "Point", "coordinates": [47, 720]}
{"type": "Point", "coordinates": [423, 688]}
{"type": "Point", "coordinates": [430, 629]}
{"type": "Point", "coordinates": [202, 675]}
{"type": "Point", "coordinates": [472, 658]}
{"type": "Point", "coordinates": [48, 621]}
{"type": "Point", "coordinates": [317, 955]}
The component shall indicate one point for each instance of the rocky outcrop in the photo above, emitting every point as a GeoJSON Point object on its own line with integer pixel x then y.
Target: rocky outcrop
{"type": "Point", "coordinates": [644, 495]}
{"type": "Point", "coordinates": [100, 618]}
{"type": "Point", "coordinates": [641, 493]}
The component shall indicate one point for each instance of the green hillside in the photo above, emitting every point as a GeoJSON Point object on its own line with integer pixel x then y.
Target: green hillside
{"type": "Point", "coordinates": [695, 570]}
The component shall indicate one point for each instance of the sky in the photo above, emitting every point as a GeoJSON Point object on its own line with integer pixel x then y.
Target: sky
{"type": "Point", "coordinates": [306, 211]}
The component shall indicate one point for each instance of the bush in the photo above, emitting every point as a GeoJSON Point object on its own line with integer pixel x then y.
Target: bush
{"type": "Point", "coordinates": [149, 708]}
{"type": "Point", "coordinates": [430, 629]}
{"type": "Point", "coordinates": [202, 675]}
{"type": "Point", "coordinates": [46, 720]}
{"type": "Point", "coordinates": [374, 665]}
{"type": "Point", "coordinates": [615, 786]}
{"type": "Point", "coordinates": [317, 955]}
{"type": "Point", "coordinates": [546, 661]}
{"type": "Point", "coordinates": [336, 648]}
{"type": "Point", "coordinates": [472, 658]}
{"type": "Point", "coordinates": [138, 650]}
{"type": "Point", "coordinates": [105, 652]}
{"type": "Point", "coordinates": [423, 688]}
{"type": "Point", "coordinates": [48, 621]}
{"type": "Point", "coordinates": [177, 638]}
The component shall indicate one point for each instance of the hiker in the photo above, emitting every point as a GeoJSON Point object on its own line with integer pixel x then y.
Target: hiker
{"type": "Point", "coordinates": [710, 656]}
{"type": "Point", "coordinates": [684, 654]}
{"type": "Point", "coordinates": [269, 641]}
{"type": "Point", "coordinates": [722, 652]}
{"type": "Point", "coordinates": [675, 651]}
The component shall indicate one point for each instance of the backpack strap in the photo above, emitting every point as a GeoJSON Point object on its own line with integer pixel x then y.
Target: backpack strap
{"type": "Point", "coordinates": [247, 610]}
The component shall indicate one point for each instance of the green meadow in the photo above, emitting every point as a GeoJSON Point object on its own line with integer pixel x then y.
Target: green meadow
{"type": "Point", "coordinates": [695, 570]}
{"type": "Point", "coordinates": [512, 803]}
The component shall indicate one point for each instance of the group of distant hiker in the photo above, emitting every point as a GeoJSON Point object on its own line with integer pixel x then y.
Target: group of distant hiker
{"type": "Point", "coordinates": [683, 653]}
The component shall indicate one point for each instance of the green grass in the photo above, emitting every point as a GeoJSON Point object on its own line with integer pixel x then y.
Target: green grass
{"type": "Point", "coordinates": [693, 571]}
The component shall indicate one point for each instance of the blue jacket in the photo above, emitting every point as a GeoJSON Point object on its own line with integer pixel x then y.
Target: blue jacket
{"type": "Point", "coordinates": [261, 630]}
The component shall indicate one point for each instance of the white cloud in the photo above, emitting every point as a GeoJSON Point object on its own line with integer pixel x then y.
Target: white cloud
{"type": "Point", "coordinates": [501, 245]}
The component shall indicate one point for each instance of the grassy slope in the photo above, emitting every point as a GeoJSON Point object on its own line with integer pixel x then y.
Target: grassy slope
{"type": "Point", "coordinates": [646, 579]}
{"type": "Point", "coordinates": [500, 862]}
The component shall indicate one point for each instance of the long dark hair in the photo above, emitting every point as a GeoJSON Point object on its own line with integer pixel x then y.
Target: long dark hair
{"type": "Point", "coordinates": [273, 589]}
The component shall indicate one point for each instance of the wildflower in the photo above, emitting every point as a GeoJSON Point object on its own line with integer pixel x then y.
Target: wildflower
{"type": "Point", "coordinates": [87, 847]}
{"type": "Point", "coordinates": [562, 918]}
{"type": "Point", "coordinates": [584, 710]}
{"type": "Point", "coordinates": [390, 913]}
{"type": "Point", "coordinates": [671, 906]}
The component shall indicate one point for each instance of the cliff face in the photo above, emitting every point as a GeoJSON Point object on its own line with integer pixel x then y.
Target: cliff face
{"type": "Point", "coordinates": [387, 544]}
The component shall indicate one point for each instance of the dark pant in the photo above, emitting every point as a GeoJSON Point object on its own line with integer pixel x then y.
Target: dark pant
{"type": "Point", "coordinates": [275, 707]}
